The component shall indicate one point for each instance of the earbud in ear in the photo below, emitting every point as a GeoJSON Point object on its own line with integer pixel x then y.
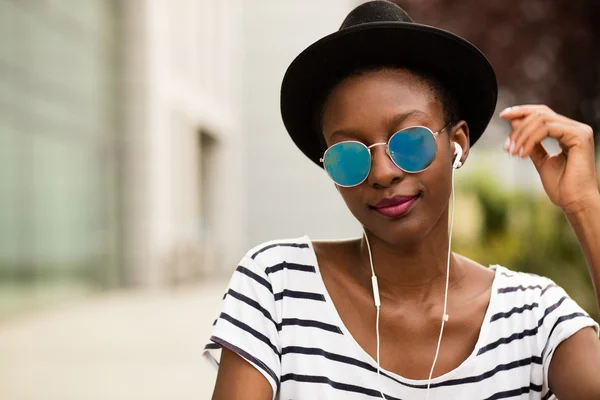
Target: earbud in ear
{"type": "Point", "coordinates": [458, 152]}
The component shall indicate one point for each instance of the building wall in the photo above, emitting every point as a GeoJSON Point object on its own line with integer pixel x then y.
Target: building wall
{"type": "Point", "coordinates": [288, 196]}
{"type": "Point", "coordinates": [58, 135]}
{"type": "Point", "coordinates": [182, 69]}
{"type": "Point", "coordinates": [120, 140]}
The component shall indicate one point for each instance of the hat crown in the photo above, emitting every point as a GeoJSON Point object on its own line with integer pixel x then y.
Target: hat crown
{"type": "Point", "coordinates": [375, 11]}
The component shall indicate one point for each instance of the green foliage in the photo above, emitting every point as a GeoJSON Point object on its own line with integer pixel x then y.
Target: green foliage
{"type": "Point", "coordinates": [525, 232]}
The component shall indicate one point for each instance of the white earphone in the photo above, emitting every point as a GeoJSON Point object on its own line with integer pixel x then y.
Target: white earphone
{"type": "Point", "coordinates": [458, 152]}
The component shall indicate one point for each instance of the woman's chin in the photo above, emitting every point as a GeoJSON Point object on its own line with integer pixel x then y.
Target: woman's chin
{"type": "Point", "coordinates": [401, 232]}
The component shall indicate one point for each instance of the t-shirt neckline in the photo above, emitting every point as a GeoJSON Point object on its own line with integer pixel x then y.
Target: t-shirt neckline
{"type": "Point", "coordinates": [367, 357]}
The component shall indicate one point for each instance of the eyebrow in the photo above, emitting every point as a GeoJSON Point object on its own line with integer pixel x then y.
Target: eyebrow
{"type": "Point", "coordinates": [393, 121]}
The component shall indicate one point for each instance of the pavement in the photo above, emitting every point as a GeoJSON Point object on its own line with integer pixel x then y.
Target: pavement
{"type": "Point", "coordinates": [132, 345]}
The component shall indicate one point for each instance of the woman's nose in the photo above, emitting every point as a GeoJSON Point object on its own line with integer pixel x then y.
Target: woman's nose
{"type": "Point", "coordinates": [384, 172]}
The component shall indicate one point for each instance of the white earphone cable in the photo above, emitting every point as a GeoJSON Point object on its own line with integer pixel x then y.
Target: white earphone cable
{"type": "Point", "coordinates": [445, 316]}
{"type": "Point", "coordinates": [377, 301]}
{"type": "Point", "coordinates": [378, 347]}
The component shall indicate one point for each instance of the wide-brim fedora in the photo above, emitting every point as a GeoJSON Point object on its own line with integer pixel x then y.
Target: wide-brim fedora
{"type": "Point", "coordinates": [380, 33]}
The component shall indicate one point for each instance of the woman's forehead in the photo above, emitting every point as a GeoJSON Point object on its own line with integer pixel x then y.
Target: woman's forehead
{"type": "Point", "coordinates": [377, 97]}
{"type": "Point", "coordinates": [398, 86]}
{"type": "Point", "coordinates": [389, 76]}
{"type": "Point", "coordinates": [389, 124]}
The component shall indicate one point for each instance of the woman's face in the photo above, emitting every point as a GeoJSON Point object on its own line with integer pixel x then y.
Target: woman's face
{"type": "Point", "coordinates": [370, 108]}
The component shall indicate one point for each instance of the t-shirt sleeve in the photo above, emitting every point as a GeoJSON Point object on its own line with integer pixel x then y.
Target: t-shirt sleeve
{"type": "Point", "coordinates": [562, 317]}
{"type": "Point", "coordinates": [246, 324]}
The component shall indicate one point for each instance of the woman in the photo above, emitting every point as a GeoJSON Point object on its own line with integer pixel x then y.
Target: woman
{"type": "Point", "coordinates": [391, 109]}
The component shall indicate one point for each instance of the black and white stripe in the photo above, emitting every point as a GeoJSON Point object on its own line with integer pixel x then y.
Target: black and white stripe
{"type": "Point", "coordinates": [525, 333]}
{"type": "Point", "coordinates": [277, 315]}
{"type": "Point", "coordinates": [270, 246]}
{"type": "Point", "coordinates": [291, 267]}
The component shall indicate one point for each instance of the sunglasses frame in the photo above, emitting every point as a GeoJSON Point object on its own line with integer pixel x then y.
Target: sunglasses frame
{"type": "Point", "coordinates": [387, 151]}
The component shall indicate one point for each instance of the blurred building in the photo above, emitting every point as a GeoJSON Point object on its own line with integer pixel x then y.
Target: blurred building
{"type": "Point", "coordinates": [141, 142]}
{"type": "Point", "coordinates": [288, 196]}
{"type": "Point", "coordinates": [59, 146]}
{"type": "Point", "coordinates": [120, 150]}
{"type": "Point", "coordinates": [184, 203]}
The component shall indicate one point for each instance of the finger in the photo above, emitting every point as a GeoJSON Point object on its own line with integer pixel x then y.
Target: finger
{"type": "Point", "coordinates": [524, 111]}
{"type": "Point", "coordinates": [569, 135]}
{"type": "Point", "coordinates": [538, 155]}
{"type": "Point", "coordinates": [560, 118]}
{"type": "Point", "coordinates": [531, 134]}
{"type": "Point", "coordinates": [520, 112]}
{"type": "Point", "coordinates": [515, 124]}
{"type": "Point", "coordinates": [530, 123]}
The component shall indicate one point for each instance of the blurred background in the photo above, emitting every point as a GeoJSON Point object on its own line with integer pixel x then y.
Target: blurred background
{"type": "Point", "coordinates": [142, 154]}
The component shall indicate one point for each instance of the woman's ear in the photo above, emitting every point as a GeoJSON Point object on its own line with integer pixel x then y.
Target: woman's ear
{"type": "Point", "coordinates": [460, 136]}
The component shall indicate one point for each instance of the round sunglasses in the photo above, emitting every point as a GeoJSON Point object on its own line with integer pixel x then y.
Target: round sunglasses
{"type": "Point", "coordinates": [411, 149]}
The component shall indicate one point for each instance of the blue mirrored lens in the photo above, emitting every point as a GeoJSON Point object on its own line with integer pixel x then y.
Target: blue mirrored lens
{"type": "Point", "coordinates": [347, 163]}
{"type": "Point", "coordinates": [413, 149]}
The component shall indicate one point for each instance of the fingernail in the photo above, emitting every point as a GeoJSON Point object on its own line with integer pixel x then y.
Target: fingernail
{"type": "Point", "coordinates": [511, 149]}
{"type": "Point", "coordinates": [507, 143]}
{"type": "Point", "coordinates": [507, 109]}
{"type": "Point", "coordinates": [521, 152]}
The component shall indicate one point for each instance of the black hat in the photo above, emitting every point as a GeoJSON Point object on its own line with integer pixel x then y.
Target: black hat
{"type": "Point", "coordinates": [381, 33]}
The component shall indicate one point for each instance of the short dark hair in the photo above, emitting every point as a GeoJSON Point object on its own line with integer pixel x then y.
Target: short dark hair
{"type": "Point", "coordinates": [440, 90]}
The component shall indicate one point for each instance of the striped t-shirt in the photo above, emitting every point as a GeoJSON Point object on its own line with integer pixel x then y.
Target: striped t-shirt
{"type": "Point", "coordinates": [277, 314]}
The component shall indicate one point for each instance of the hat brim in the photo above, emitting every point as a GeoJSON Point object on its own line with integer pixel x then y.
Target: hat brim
{"type": "Point", "coordinates": [456, 62]}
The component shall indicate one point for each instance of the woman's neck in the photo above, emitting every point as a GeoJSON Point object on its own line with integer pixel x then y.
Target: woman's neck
{"type": "Point", "coordinates": [414, 273]}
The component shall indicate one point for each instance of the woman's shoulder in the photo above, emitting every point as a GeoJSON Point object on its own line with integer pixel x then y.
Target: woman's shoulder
{"type": "Point", "coordinates": [544, 297]}
{"type": "Point", "coordinates": [512, 281]}
{"type": "Point", "coordinates": [534, 306]}
{"type": "Point", "coordinates": [512, 289]}
{"type": "Point", "coordinates": [279, 254]}
{"type": "Point", "coordinates": [300, 250]}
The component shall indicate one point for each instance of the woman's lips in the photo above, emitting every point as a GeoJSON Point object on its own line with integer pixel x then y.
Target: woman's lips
{"type": "Point", "coordinates": [396, 206]}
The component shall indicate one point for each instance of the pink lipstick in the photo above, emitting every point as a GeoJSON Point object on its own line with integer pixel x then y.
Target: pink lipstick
{"type": "Point", "coordinates": [396, 206]}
